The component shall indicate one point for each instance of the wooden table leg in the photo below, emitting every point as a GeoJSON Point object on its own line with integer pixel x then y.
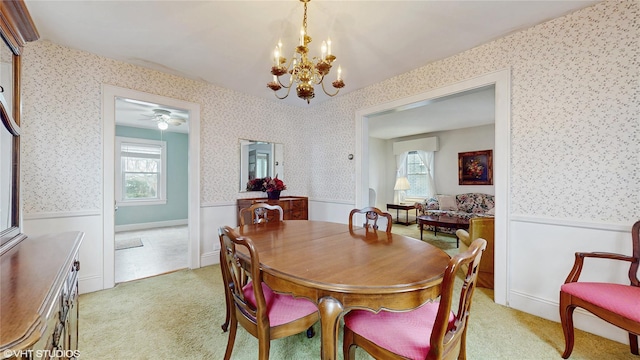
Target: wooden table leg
{"type": "Point", "coordinates": [421, 225]}
{"type": "Point", "coordinates": [330, 311]}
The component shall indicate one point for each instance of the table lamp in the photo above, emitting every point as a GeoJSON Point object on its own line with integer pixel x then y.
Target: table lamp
{"type": "Point", "coordinates": [402, 184]}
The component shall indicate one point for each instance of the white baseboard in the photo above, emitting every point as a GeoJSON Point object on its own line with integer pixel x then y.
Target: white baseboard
{"type": "Point", "coordinates": [582, 320]}
{"type": "Point", "coordinates": [90, 284]}
{"type": "Point", "coordinates": [151, 225]}
{"type": "Point", "coordinates": [210, 258]}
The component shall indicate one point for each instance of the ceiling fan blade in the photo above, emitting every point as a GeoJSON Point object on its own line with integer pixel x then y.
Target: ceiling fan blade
{"type": "Point", "coordinates": [176, 121]}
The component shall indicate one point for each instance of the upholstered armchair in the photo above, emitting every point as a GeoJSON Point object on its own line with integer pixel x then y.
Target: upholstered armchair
{"type": "Point", "coordinates": [481, 227]}
{"type": "Point", "coordinates": [617, 304]}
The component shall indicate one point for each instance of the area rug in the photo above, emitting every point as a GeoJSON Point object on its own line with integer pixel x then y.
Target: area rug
{"type": "Point", "coordinates": [128, 243]}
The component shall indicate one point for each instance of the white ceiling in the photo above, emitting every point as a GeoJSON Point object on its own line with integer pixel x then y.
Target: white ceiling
{"type": "Point", "coordinates": [470, 108]}
{"type": "Point", "coordinates": [140, 114]}
{"type": "Point", "coordinates": [230, 43]}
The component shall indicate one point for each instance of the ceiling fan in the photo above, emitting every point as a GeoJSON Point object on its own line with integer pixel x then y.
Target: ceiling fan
{"type": "Point", "coordinates": [164, 119]}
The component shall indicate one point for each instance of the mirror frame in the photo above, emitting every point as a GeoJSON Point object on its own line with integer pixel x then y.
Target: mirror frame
{"type": "Point", "coordinates": [16, 28]}
{"type": "Point", "coordinates": [276, 163]}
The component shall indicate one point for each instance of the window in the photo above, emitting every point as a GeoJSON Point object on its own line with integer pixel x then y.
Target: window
{"type": "Point", "coordinates": [417, 176]}
{"type": "Point", "coordinates": [141, 174]}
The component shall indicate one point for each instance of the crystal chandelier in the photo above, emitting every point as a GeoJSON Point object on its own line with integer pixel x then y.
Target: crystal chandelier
{"type": "Point", "coordinates": [304, 73]}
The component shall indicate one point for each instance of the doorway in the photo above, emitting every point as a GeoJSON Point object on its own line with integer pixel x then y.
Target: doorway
{"type": "Point", "coordinates": [110, 96]}
{"type": "Point", "coordinates": [501, 81]}
{"type": "Point", "coordinates": [151, 184]}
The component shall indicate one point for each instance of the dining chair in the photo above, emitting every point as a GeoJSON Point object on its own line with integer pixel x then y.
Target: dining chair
{"type": "Point", "coordinates": [617, 304]}
{"type": "Point", "coordinates": [432, 331]}
{"type": "Point", "coordinates": [372, 214]}
{"type": "Point", "coordinates": [262, 312]}
{"type": "Point", "coordinates": [260, 213]}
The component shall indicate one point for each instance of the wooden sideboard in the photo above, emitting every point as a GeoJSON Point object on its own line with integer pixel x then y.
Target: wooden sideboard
{"type": "Point", "coordinates": [39, 293]}
{"type": "Point", "coordinates": [294, 207]}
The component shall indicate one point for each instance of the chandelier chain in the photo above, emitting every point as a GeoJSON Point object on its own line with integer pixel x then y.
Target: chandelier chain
{"type": "Point", "coordinates": [304, 19]}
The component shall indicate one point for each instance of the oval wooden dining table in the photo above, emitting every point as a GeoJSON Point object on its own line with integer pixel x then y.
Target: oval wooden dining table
{"type": "Point", "coordinates": [341, 270]}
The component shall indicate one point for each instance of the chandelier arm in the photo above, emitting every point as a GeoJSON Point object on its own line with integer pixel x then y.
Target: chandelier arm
{"type": "Point", "coordinates": [285, 95]}
{"type": "Point", "coordinates": [290, 75]}
{"type": "Point", "coordinates": [325, 90]}
{"type": "Point", "coordinates": [283, 85]}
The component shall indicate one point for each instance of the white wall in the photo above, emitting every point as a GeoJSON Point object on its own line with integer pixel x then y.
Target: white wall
{"type": "Point", "coordinates": [451, 142]}
{"type": "Point", "coordinates": [446, 159]}
{"type": "Point", "coordinates": [379, 171]}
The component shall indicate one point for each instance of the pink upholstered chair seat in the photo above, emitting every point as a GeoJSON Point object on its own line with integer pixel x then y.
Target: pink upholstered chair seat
{"type": "Point", "coordinates": [403, 333]}
{"type": "Point", "coordinates": [281, 308]}
{"type": "Point", "coordinates": [620, 299]}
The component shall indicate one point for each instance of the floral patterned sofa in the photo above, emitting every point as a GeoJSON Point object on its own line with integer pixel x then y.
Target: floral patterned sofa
{"type": "Point", "coordinates": [463, 206]}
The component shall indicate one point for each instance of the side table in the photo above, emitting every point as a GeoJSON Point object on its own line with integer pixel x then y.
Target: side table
{"type": "Point", "coordinates": [405, 207]}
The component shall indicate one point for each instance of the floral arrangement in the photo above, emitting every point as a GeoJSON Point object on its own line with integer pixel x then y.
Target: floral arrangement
{"type": "Point", "coordinates": [274, 184]}
{"type": "Point", "coordinates": [267, 184]}
{"type": "Point", "coordinates": [255, 184]}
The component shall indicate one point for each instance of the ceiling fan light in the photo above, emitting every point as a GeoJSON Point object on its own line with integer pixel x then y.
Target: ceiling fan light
{"type": "Point", "coordinates": [162, 125]}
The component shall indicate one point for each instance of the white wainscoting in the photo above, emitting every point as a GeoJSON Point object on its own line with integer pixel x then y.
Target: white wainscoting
{"type": "Point", "coordinates": [212, 217]}
{"type": "Point", "coordinates": [330, 210]}
{"type": "Point", "coordinates": [89, 222]}
{"type": "Point", "coordinates": [541, 254]}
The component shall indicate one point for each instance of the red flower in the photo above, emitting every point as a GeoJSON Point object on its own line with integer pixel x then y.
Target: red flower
{"type": "Point", "coordinates": [274, 184]}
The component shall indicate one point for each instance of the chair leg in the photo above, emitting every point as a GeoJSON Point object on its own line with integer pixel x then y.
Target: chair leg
{"type": "Point", "coordinates": [566, 317]}
{"type": "Point", "coordinates": [633, 343]}
{"type": "Point", "coordinates": [463, 344]}
{"type": "Point", "coordinates": [263, 348]}
{"type": "Point", "coordinates": [348, 349]}
{"type": "Point", "coordinates": [231, 340]}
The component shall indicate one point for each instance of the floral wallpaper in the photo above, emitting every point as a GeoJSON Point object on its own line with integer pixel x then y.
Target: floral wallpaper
{"type": "Point", "coordinates": [575, 130]}
{"type": "Point", "coordinates": [62, 128]}
{"type": "Point", "coordinates": [575, 114]}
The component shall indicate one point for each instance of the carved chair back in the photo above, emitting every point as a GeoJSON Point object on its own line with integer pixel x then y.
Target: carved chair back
{"type": "Point", "coordinates": [372, 214]}
{"type": "Point", "coordinates": [260, 213]}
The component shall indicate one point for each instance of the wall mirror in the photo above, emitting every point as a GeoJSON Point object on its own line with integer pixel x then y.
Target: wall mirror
{"type": "Point", "coordinates": [259, 159]}
{"type": "Point", "coordinates": [9, 150]}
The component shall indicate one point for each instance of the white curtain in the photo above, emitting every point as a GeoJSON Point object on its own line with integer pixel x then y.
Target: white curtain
{"type": "Point", "coordinates": [401, 170]}
{"type": "Point", "coordinates": [427, 159]}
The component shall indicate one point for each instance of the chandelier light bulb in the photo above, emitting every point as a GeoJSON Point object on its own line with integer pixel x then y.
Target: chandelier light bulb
{"type": "Point", "coordinates": [162, 125]}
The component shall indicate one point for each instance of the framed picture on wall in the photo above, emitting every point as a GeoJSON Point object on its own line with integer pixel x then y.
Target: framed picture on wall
{"type": "Point", "coordinates": [475, 168]}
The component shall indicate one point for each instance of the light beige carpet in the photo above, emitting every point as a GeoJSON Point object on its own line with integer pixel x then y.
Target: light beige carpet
{"type": "Point", "coordinates": [178, 316]}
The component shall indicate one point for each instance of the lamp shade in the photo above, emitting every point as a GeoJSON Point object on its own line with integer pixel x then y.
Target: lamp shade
{"type": "Point", "coordinates": [402, 183]}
